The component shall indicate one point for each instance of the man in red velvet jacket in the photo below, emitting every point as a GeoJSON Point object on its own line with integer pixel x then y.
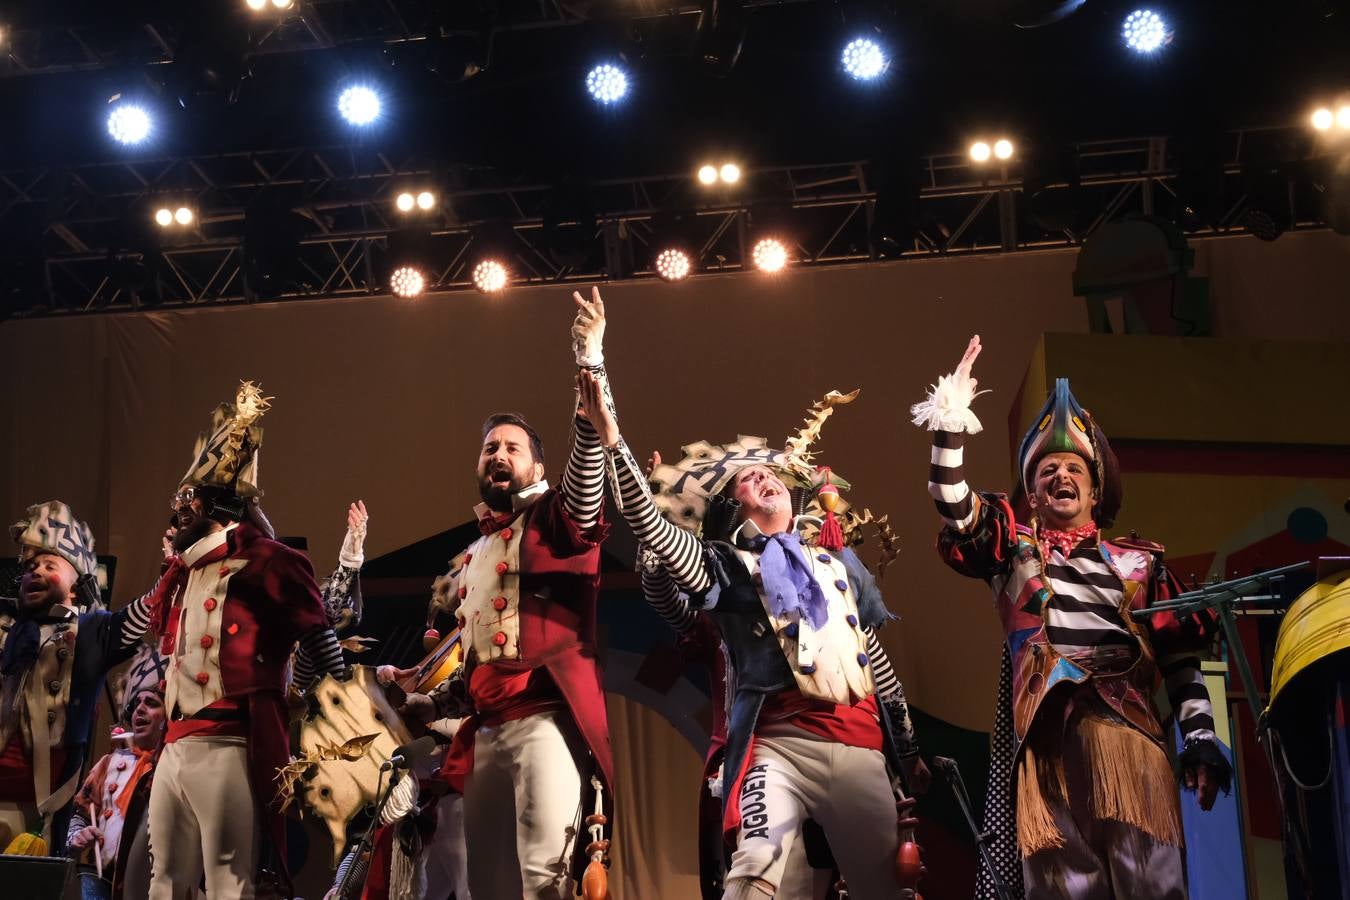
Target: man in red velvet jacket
{"type": "Point", "coordinates": [242, 602]}
{"type": "Point", "coordinates": [537, 732]}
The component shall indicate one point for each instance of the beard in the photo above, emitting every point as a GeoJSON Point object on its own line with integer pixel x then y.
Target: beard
{"type": "Point", "coordinates": [191, 533]}
{"type": "Point", "coordinates": [497, 494]}
{"type": "Point", "coordinates": [34, 603]}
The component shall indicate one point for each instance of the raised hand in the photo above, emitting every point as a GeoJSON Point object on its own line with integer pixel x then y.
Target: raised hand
{"type": "Point", "coordinates": [653, 462]}
{"type": "Point", "coordinates": [592, 407]}
{"type": "Point", "coordinates": [353, 552]}
{"type": "Point", "coordinates": [968, 359]}
{"type": "Point", "coordinates": [357, 516]}
{"type": "Point", "coordinates": [588, 328]}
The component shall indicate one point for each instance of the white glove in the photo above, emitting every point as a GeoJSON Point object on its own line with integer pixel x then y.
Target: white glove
{"type": "Point", "coordinates": [353, 552]}
{"type": "Point", "coordinates": [588, 329]}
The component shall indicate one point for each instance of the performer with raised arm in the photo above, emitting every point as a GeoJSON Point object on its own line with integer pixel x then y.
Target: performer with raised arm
{"type": "Point", "coordinates": [341, 591]}
{"type": "Point", "coordinates": [536, 736]}
{"type": "Point", "coordinates": [806, 736]}
{"type": "Point", "coordinates": [58, 644]}
{"type": "Point", "coordinates": [1081, 789]}
{"type": "Point", "coordinates": [241, 602]}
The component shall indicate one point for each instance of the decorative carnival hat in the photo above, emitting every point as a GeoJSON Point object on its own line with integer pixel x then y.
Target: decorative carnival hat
{"type": "Point", "coordinates": [1064, 426]}
{"type": "Point", "coordinates": [684, 491]}
{"type": "Point", "coordinates": [52, 528]}
{"type": "Point", "coordinates": [146, 672]}
{"type": "Point", "coordinates": [227, 456]}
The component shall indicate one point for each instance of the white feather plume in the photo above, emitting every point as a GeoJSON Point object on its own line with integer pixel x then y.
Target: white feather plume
{"type": "Point", "coordinates": [947, 406]}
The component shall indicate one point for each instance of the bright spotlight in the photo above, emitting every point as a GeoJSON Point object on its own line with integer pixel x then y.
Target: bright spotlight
{"type": "Point", "coordinates": [256, 4]}
{"type": "Point", "coordinates": [359, 105]}
{"type": "Point", "coordinates": [489, 276]}
{"type": "Point", "coordinates": [1003, 149]}
{"type": "Point", "coordinates": [607, 83]}
{"type": "Point", "coordinates": [673, 264]}
{"type": "Point", "coordinates": [731, 173]}
{"type": "Point", "coordinates": [183, 216]}
{"type": "Point", "coordinates": [979, 151]}
{"type": "Point", "coordinates": [128, 123]}
{"type": "Point", "coordinates": [407, 282]}
{"type": "Point", "coordinates": [404, 202]}
{"type": "Point", "coordinates": [1343, 117]}
{"type": "Point", "coordinates": [1145, 31]}
{"type": "Point", "coordinates": [1322, 119]}
{"type": "Point", "coordinates": [426, 200]}
{"type": "Point", "coordinates": [770, 255]}
{"type": "Point", "coordinates": [163, 218]}
{"type": "Point", "coordinates": [863, 59]}
{"type": "Point", "coordinates": [707, 175]}
{"type": "Point", "coordinates": [283, 4]}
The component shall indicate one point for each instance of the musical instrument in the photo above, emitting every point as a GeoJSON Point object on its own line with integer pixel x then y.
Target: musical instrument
{"type": "Point", "coordinates": [350, 728]}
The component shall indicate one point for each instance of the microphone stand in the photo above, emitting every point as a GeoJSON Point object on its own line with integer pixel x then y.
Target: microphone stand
{"type": "Point", "coordinates": [355, 875]}
{"type": "Point", "coordinates": [953, 775]}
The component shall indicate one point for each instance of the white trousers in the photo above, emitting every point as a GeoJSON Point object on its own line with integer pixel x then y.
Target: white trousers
{"type": "Point", "coordinates": [794, 776]}
{"type": "Point", "coordinates": [522, 808]}
{"type": "Point", "coordinates": [203, 821]}
{"type": "Point", "coordinates": [447, 864]}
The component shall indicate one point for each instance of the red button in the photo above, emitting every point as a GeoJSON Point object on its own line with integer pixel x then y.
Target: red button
{"type": "Point", "coordinates": [203, 678]}
{"type": "Point", "coordinates": [233, 629]}
{"type": "Point", "coordinates": [207, 641]}
{"type": "Point", "coordinates": [210, 603]}
{"type": "Point", "coordinates": [463, 592]}
{"type": "Point", "coordinates": [502, 568]}
{"type": "Point", "coordinates": [107, 813]}
{"type": "Point", "coordinates": [122, 766]}
{"type": "Point", "coordinates": [499, 638]}
{"type": "Point", "coordinates": [461, 621]}
{"type": "Point", "coordinates": [499, 603]}
{"type": "Point", "coordinates": [112, 788]}
{"type": "Point", "coordinates": [506, 534]}
{"type": "Point", "coordinates": [224, 571]}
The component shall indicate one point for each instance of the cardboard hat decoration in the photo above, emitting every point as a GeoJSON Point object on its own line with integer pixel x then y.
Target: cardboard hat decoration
{"type": "Point", "coordinates": [1064, 426]}
{"type": "Point", "coordinates": [683, 491]}
{"type": "Point", "coordinates": [52, 528]}
{"type": "Point", "coordinates": [146, 673]}
{"type": "Point", "coordinates": [227, 457]}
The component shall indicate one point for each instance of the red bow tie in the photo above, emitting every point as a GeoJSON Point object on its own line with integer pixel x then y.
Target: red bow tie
{"type": "Point", "coordinates": [495, 521]}
{"type": "Point", "coordinates": [1065, 541]}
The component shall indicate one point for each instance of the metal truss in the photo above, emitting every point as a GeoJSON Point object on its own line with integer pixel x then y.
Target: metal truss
{"type": "Point", "coordinates": [101, 250]}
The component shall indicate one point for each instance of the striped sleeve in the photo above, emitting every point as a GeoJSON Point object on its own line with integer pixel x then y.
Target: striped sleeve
{"type": "Point", "coordinates": [892, 693]}
{"type": "Point", "coordinates": [136, 616]}
{"type": "Point", "coordinates": [1189, 697]}
{"type": "Point", "coordinates": [664, 596]}
{"type": "Point", "coordinates": [947, 480]}
{"type": "Point", "coordinates": [583, 480]}
{"type": "Point", "coordinates": [319, 654]}
{"type": "Point", "coordinates": [677, 550]}
{"type": "Point", "coordinates": [135, 621]}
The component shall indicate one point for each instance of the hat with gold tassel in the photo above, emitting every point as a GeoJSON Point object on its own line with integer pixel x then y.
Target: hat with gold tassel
{"type": "Point", "coordinates": [227, 456]}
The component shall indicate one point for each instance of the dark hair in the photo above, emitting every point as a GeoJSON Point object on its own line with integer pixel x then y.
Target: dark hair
{"type": "Point", "coordinates": [536, 445]}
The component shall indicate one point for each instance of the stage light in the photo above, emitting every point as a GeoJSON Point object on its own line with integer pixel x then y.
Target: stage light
{"type": "Point", "coordinates": [770, 255]}
{"type": "Point", "coordinates": [426, 200]}
{"type": "Point", "coordinates": [1322, 119]}
{"type": "Point", "coordinates": [1343, 117]}
{"type": "Point", "coordinates": [283, 4]}
{"type": "Point", "coordinates": [607, 83]}
{"type": "Point", "coordinates": [864, 59]}
{"type": "Point", "coordinates": [707, 175]}
{"type": "Point", "coordinates": [1003, 149]}
{"type": "Point", "coordinates": [673, 264]}
{"type": "Point", "coordinates": [979, 151]}
{"type": "Point", "coordinates": [256, 4]}
{"type": "Point", "coordinates": [731, 173]}
{"type": "Point", "coordinates": [1145, 31]}
{"type": "Point", "coordinates": [183, 216]}
{"type": "Point", "coordinates": [407, 282]}
{"type": "Point", "coordinates": [163, 217]}
{"type": "Point", "coordinates": [129, 123]}
{"type": "Point", "coordinates": [405, 202]}
{"type": "Point", "coordinates": [489, 276]}
{"type": "Point", "coordinates": [359, 105]}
